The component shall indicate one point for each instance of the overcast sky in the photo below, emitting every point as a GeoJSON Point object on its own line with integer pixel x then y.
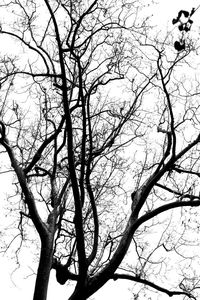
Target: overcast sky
{"type": "Point", "coordinates": [23, 288]}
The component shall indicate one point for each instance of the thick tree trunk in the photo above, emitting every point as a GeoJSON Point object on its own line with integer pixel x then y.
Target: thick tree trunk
{"type": "Point", "coordinates": [43, 273]}
{"type": "Point", "coordinates": [78, 295]}
{"type": "Point", "coordinates": [80, 290]}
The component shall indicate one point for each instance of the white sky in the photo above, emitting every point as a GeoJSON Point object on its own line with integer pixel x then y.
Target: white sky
{"type": "Point", "coordinates": [23, 288]}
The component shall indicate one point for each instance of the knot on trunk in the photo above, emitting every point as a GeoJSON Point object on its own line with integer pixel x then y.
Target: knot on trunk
{"type": "Point", "coordinates": [62, 272]}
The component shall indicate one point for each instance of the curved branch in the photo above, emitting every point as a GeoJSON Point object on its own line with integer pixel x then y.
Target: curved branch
{"type": "Point", "coordinates": [2, 131]}
{"type": "Point", "coordinates": [172, 129]}
{"type": "Point", "coordinates": [38, 154]}
{"type": "Point", "coordinates": [29, 46]}
{"type": "Point", "coordinates": [156, 176]}
{"type": "Point", "coordinates": [29, 198]}
{"type": "Point", "coordinates": [166, 207]}
{"type": "Point", "coordinates": [90, 191]}
{"type": "Point", "coordinates": [96, 222]}
{"type": "Point", "coordinates": [117, 276]}
{"type": "Point", "coordinates": [78, 207]}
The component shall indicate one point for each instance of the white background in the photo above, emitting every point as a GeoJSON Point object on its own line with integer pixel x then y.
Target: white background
{"type": "Point", "coordinates": [15, 286]}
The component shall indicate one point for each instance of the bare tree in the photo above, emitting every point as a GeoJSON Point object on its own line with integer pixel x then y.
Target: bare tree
{"type": "Point", "coordinates": [102, 135]}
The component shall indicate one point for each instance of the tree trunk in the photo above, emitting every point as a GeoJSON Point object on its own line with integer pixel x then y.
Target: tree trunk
{"type": "Point", "coordinates": [78, 295]}
{"type": "Point", "coordinates": [43, 273]}
{"type": "Point", "coordinates": [80, 290]}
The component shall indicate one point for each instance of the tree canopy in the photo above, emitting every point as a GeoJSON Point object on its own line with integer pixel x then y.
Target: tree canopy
{"type": "Point", "coordinates": [100, 128]}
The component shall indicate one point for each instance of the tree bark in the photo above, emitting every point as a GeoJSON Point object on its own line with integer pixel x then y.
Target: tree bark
{"type": "Point", "coordinates": [78, 294]}
{"type": "Point", "coordinates": [44, 269]}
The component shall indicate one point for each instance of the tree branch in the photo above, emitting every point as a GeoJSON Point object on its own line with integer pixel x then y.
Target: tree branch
{"type": "Point", "coordinates": [29, 198]}
{"type": "Point", "coordinates": [117, 276]}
